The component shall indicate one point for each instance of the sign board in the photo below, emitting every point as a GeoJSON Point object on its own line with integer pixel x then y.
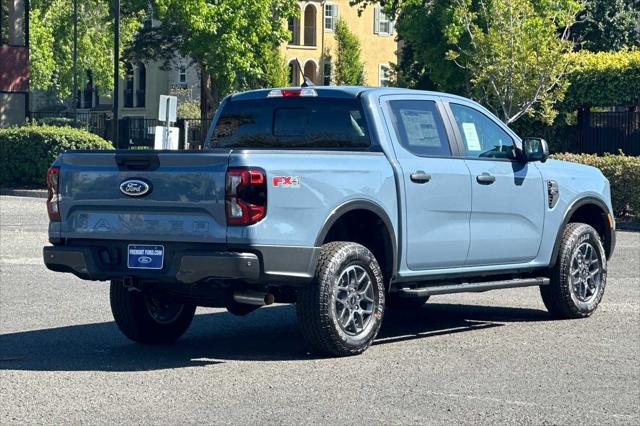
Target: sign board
{"type": "Point", "coordinates": [166, 138]}
{"type": "Point", "coordinates": [168, 105]}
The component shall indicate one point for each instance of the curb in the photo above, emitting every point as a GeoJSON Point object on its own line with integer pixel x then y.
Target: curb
{"type": "Point", "coordinates": [32, 193]}
{"type": "Point", "coordinates": [628, 226]}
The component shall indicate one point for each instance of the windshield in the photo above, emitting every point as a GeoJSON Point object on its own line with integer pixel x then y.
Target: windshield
{"type": "Point", "coordinates": [304, 122]}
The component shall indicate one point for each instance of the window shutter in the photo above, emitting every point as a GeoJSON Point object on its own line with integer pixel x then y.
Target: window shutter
{"type": "Point", "coordinates": [391, 27]}
{"type": "Point", "coordinates": [335, 17]}
{"type": "Point", "coordinates": [376, 20]}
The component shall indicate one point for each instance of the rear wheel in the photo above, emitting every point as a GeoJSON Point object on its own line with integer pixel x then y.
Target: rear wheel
{"type": "Point", "coordinates": [149, 319]}
{"type": "Point", "coordinates": [340, 312]}
{"type": "Point", "coordinates": [579, 277]}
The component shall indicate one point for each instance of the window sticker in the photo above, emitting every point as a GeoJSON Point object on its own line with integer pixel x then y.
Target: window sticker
{"type": "Point", "coordinates": [471, 136]}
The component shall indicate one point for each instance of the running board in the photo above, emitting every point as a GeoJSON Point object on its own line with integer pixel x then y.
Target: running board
{"type": "Point", "coordinates": [471, 287]}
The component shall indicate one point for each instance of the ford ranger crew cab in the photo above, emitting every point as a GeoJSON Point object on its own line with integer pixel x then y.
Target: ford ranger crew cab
{"type": "Point", "coordinates": [342, 200]}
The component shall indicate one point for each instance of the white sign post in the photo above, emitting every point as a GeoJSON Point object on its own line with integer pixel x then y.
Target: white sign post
{"type": "Point", "coordinates": [167, 137]}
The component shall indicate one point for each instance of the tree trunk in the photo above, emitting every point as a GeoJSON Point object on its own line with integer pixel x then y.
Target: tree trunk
{"type": "Point", "coordinates": [209, 95]}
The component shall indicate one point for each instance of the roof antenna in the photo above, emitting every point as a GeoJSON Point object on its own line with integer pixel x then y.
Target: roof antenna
{"type": "Point", "coordinates": [306, 81]}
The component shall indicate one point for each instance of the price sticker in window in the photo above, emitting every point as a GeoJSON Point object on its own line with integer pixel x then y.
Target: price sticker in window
{"type": "Point", "coordinates": [471, 136]}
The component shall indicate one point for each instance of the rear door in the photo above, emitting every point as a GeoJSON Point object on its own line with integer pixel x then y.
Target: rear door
{"type": "Point", "coordinates": [184, 201]}
{"type": "Point", "coordinates": [507, 195]}
{"type": "Point", "coordinates": [437, 188]}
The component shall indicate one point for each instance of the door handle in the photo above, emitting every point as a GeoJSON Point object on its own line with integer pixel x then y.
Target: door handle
{"type": "Point", "coordinates": [485, 179]}
{"type": "Point", "coordinates": [420, 177]}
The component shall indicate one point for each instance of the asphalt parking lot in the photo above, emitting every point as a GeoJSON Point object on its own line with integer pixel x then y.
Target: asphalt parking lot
{"type": "Point", "coordinates": [473, 358]}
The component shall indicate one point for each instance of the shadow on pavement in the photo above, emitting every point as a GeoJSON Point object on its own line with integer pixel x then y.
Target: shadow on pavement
{"type": "Point", "coordinates": [269, 334]}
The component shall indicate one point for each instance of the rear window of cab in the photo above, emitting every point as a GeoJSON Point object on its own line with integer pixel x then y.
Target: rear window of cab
{"type": "Point", "coordinates": [292, 122]}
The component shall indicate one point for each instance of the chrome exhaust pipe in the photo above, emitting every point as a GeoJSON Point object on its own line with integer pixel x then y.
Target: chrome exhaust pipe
{"type": "Point", "coordinates": [253, 297]}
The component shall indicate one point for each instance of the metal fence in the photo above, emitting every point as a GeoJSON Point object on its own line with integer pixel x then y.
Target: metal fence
{"type": "Point", "coordinates": [133, 132]}
{"type": "Point", "coordinates": [602, 132]}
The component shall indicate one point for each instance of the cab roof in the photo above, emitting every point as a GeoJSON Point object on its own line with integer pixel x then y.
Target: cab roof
{"type": "Point", "coordinates": [341, 92]}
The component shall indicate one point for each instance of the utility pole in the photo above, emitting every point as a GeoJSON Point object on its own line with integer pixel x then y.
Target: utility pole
{"type": "Point", "coordinates": [116, 70]}
{"type": "Point", "coordinates": [75, 60]}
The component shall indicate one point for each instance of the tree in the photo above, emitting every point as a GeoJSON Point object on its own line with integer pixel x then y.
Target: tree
{"type": "Point", "coordinates": [234, 42]}
{"type": "Point", "coordinates": [51, 42]}
{"type": "Point", "coordinates": [608, 25]}
{"type": "Point", "coordinates": [515, 52]}
{"type": "Point", "coordinates": [349, 70]}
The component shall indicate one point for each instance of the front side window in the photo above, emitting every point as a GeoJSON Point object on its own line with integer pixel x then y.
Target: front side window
{"type": "Point", "coordinates": [481, 136]}
{"type": "Point", "coordinates": [281, 123]}
{"type": "Point", "coordinates": [330, 16]}
{"type": "Point", "coordinates": [419, 127]}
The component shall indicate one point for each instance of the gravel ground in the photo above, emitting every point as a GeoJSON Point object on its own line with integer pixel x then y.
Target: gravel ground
{"type": "Point", "coordinates": [472, 358]}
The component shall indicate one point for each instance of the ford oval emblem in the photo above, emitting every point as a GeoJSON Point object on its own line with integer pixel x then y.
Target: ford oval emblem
{"type": "Point", "coordinates": [135, 187]}
{"type": "Point", "coordinates": [144, 259]}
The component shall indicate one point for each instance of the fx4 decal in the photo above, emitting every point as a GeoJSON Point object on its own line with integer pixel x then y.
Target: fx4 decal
{"type": "Point", "coordinates": [286, 181]}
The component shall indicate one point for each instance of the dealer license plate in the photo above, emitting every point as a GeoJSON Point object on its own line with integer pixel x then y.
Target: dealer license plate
{"type": "Point", "coordinates": [141, 256]}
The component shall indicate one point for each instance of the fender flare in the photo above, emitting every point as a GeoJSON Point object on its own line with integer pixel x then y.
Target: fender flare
{"type": "Point", "coordinates": [610, 236]}
{"type": "Point", "coordinates": [362, 204]}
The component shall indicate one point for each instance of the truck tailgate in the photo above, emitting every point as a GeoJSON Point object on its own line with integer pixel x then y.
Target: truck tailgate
{"type": "Point", "coordinates": [185, 201]}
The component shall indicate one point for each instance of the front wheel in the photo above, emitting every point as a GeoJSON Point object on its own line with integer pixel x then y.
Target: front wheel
{"type": "Point", "coordinates": [579, 276]}
{"type": "Point", "coordinates": [149, 319]}
{"type": "Point", "coordinates": [340, 312]}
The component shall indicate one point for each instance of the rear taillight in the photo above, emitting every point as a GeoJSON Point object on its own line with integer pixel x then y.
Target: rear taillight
{"type": "Point", "coordinates": [53, 199]}
{"type": "Point", "coordinates": [246, 195]}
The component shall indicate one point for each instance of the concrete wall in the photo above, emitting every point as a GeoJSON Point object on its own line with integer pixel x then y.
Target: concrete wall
{"type": "Point", "coordinates": [12, 108]}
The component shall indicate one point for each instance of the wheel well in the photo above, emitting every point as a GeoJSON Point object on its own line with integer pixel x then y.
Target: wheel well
{"type": "Point", "coordinates": [593, 215]}
{"type": "Point", "coordinates": [367, 228]}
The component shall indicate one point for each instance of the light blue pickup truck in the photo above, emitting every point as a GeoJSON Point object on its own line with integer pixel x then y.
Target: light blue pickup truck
{"type": "Point", "coordinates": [343, 200]}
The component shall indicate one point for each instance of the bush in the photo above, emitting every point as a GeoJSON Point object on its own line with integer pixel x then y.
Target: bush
{"type": "Point", "coordinates": [27, 152]}
{"type": "Point", "coordinates": [61, 122]}
{"type": "Point", "coordinates": [603, 79]}
{"type": "Point", "coordinates": [623, 173]}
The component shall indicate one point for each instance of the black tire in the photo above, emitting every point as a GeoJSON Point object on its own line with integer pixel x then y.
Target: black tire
{"type": "Point", "coordinates": [132, 312]}
{"type": "Point", "coordinates": [396, 302]}
{"type": "Point", "coordinates": [566, 297]}
{"type": "Point", "coordinates": [322, 305]}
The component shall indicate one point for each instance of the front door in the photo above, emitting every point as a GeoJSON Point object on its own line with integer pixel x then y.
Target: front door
{"type": "Point", "coordinates": [507, 195]}
{"type": "Point", "coordinates": [437, 188]}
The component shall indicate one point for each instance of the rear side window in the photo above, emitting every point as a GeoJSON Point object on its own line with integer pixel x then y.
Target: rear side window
{"type": "Point", "coordinates": [292, 123]}
{"type": "Point", "coordinates": [419, 127]}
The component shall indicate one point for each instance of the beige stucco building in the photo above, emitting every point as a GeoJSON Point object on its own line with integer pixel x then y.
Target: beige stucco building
{"type": "Point", "coordinates": [313, 41]}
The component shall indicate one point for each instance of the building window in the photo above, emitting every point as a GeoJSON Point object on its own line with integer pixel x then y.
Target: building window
{"type": "Point", "coordinates": [294, 29]}
{"type": "Point", "coordinates": [141, 94]}
{"type": "Point", "coordinates": [382, 25]}
{"type": "Point", "coordinates": [310, 25]}
{"type": "Point", "coordinates": [128, 85]}
{"type": "Point", "coordinates": [311, 70]}
{"type": "Point", "coordinates": [294, 73]}
{"type": "Point", "coordinates": [182, 77]}
{"type": "Point", "coordinates": [326, 74]}
{"type": "Point", "coordinates": [330, 16]}
{"type": "Point", "coordinates": [384, 75]}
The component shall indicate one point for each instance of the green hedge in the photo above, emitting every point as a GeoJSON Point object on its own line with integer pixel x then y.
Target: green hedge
{"type": "Point", "coordinates": [623, 173]}
{"type": "Point", "coordinates": [27, 152]}
{"type": "Point", "coordinates": [603, 79]}
{"type": "Point", "coordinates": [61, 122]}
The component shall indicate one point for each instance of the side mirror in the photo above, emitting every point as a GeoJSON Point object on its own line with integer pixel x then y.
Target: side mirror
{"type": "Point", "coordinates": [535, 149]}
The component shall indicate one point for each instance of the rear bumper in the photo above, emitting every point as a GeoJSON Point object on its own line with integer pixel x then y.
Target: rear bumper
{"type": "Point", "coordinates": [253, 264]}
